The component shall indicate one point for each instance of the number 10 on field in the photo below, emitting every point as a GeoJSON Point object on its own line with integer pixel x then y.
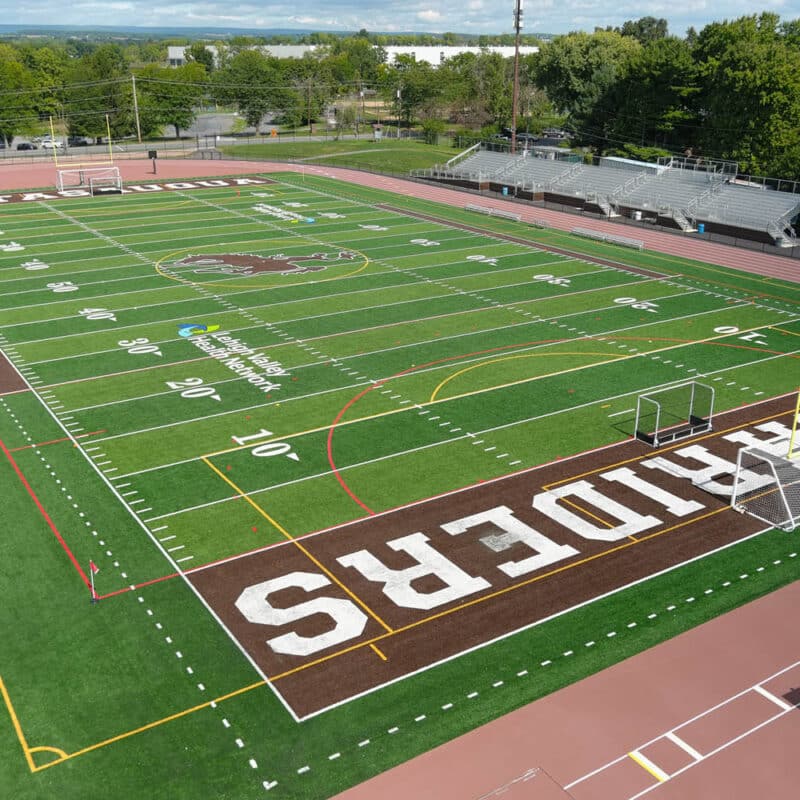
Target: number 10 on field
{"type": "Point", "coordinates": [266, 449]}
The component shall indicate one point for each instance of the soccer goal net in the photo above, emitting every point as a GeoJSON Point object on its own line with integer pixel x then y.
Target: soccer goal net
{"type": "Point", "coordinates": [96, 179]}
{"type": "Point", "coordinates": [767, 487]}
{"type": "Point", "coordinates": [675, 413]}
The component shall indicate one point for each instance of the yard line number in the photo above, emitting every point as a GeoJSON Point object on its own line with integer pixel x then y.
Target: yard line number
{"type": "Point", "coordinates": [63, 286]}
{"type": "Point", "coordinates": [267, 449]}
{"type": "Point", "coordinates": [97, 313]}
{"type": "Point", "coordinates": [641, 305]}
{"type": "Point", "coordinates": [193, 388]}
{"type": "Point", "coordinates": [140, 346]}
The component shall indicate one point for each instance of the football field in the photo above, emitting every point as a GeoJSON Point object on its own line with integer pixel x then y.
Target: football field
{"type": "Point", "coordinates": [301, 479]}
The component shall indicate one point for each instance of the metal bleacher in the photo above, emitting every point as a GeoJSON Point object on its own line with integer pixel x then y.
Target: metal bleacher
{"type": "Point", "coordinates": [688, 191]}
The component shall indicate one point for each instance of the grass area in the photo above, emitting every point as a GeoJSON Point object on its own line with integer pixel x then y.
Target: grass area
{"type": "Point", "coordinates": [377, 371]}
{"type": "Point", "coordinates": [388, 155]}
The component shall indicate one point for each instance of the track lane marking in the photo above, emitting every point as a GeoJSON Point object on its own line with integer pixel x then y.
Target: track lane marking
{"type": "Point", "coordinates": [685, 746]}
{"type": "Point", "coordinates": [646, 764]}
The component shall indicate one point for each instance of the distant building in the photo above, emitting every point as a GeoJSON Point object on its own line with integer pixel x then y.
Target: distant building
{"type": "Point", "coordinates": [430, 54]}
{"type": "Point", "coordinates": [436, 54]}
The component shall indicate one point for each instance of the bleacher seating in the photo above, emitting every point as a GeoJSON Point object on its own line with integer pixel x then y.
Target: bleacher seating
{"type": "Point", "coordinates": [685, 191]}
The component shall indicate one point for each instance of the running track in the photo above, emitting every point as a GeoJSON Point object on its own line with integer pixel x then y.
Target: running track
{"type": "Point", "coordinates": [711, 710]}
{"type": "Point", "coordinates": [15, 176]}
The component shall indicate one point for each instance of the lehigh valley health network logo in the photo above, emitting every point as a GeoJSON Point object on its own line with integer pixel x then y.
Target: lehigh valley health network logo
{"type": "Point", "coordinates": [193, 328]}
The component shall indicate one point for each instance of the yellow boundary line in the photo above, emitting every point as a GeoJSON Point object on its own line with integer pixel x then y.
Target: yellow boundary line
{"type": "Point", "coordinates": [497, 593]}
{"type": "Point", "coordinates": [63, 756]}
{"type": "Point", "coordinates": [617, 358]}
{"type": "Point", "coordinates": [613, 357]}
{"type": "Point", "coordinates": [298, 545]}
{"type": "Point", "coordinates": [537, 578]}
{"type": "Point", "coordinates": [17, 727]}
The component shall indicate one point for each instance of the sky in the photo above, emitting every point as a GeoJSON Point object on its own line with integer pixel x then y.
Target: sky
{"type": "Point", "coordinates": [463, 16]}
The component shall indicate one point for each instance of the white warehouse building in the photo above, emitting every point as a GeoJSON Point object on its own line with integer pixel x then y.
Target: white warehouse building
{"type": "Point", "coordinates": [431, 54]}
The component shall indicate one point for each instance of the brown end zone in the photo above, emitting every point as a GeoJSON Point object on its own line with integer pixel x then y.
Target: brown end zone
{"type": "Point", "coordinates": [10, 380]}
{"type": "Point", "coordinates": [396, 641]}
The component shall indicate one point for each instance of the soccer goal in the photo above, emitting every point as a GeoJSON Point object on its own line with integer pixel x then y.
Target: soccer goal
{"type": "Point", "coordinates": [767, 487]}
{"type": "Point", "coordinates": [675, 413]}
{"type": "Point", "coordinates": [96, 179]}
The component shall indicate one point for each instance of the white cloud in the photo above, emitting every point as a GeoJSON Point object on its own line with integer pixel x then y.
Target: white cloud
{"type": "Point", "coordinates": [473, 16]}
{"type": "Point", "coordinates": [429, 16]}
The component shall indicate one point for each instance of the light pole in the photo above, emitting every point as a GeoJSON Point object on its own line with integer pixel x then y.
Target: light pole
{"type": "Point", "coordinates": [398, 115]}
{"type": "Point", "coordinates": [515, 94]}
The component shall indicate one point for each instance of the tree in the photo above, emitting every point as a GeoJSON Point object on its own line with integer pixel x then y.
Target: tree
{"type": "Point", "coordinates": [254, 82]}
{"type": "Point", "coordinates": [476, 88]}
{"type": "Point", "coordinates": [646, 29]}
{"type": "Point", "coordinates": [750, 94]}
{"type": "Point", "coordinates": [654, 98]}
{"type": "Point", "coordinates": [99, 86]}
{"type": "Point", "coordinates": [418, 85]}
{"type": "Point", "coordinates": [17, 96]}
{"type": "Point", "coordinates": [200, 54]}
{"type": "Point", "coordinates": [46, 66]}
{"type": "Point", "coordinates": [354, 60]}
{"type": "Point", "coordinates": [579, 73]}
{"type": "Point", "coordinates": [170, 96]}
{"type": "Point", "coordinates": [315, 86]}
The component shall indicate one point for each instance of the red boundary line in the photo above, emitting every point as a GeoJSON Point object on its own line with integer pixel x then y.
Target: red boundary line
{"type": "Point", "coordinates": [335, 424]}
{"type": "Point", "coordinates": [55, 441]}
{"type": "Point", "coordinates": [44, 513]}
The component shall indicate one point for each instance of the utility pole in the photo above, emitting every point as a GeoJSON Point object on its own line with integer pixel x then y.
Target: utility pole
{"type": "Point", "coordinates": [136, 110]}
{"type": "Point", "coordinates": [308, 106]}
{"type": "Point", "coordinates": [515, 95]}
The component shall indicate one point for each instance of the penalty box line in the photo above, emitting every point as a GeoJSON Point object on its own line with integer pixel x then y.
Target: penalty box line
{"type": "Point", "coordinates": [63, 756]}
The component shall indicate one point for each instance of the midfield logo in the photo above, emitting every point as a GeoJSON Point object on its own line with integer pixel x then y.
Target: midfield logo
{"type": "Point", "coordinates": [250, 264]}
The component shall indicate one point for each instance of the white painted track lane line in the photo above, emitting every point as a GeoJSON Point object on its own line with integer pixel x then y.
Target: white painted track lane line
{"type": "Point", "coordinates": [702, 714]}
{"type": "Point", "coordinates": [772, 698]}
{"type": "Point", "coordinates": [685, 746]}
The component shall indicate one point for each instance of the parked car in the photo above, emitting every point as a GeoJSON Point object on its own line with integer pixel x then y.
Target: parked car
{"type": "Point", "coordinates": [26, 146]}
{"type": "Point", "coordinates": [79, 141]}
{"type": "Point", "coordinates": [52, 144]}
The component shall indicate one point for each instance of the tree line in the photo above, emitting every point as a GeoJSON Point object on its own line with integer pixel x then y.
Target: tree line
{"type": "Point", "coordinates": [730, 91]}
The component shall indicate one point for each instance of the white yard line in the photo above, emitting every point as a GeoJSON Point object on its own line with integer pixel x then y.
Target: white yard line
{"type": "Point", "coordinates": [465, 437]}
{"type": "Point", "coordinates": [588, 337]}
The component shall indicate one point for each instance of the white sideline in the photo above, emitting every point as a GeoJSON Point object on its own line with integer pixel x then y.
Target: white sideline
{"type": "Point", "coordinates": [157, 544]}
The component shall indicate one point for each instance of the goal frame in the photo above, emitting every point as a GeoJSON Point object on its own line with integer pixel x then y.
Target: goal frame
{"type": "Point", "coordinates": [776, 488]}
{"type": "Point", "coordinates": [88, 177]}
{"type": "Point", "coordinates": [696, 420]}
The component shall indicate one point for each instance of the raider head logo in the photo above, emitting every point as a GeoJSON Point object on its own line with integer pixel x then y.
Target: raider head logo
{"type": "Point", "coordinates": [249, 264]}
